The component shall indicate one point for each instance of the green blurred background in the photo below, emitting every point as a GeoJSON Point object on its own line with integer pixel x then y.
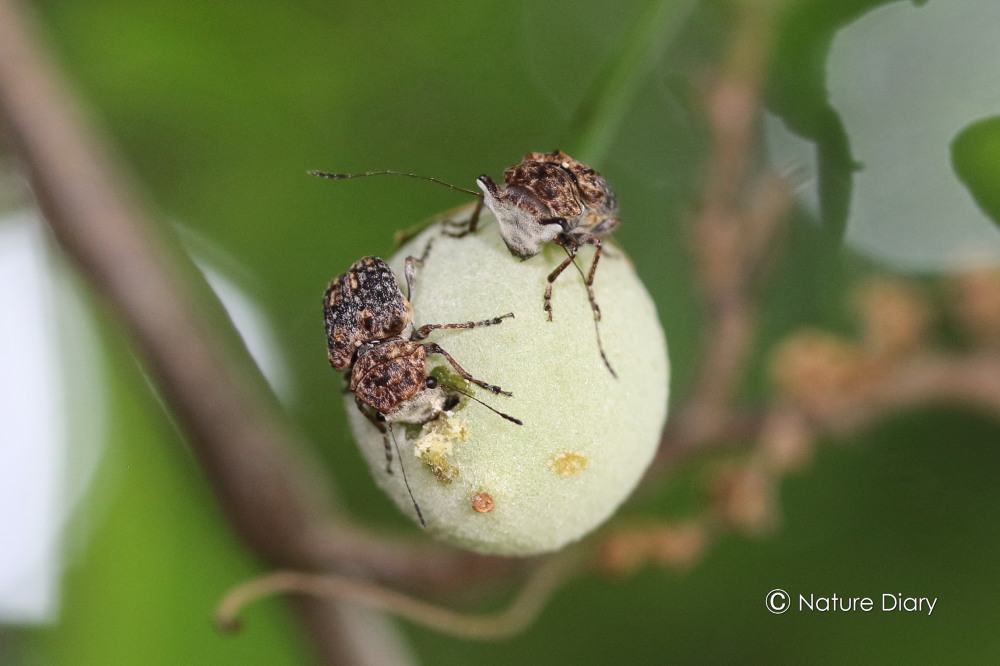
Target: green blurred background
{"type": "Point", "coordinates": [220, 108]}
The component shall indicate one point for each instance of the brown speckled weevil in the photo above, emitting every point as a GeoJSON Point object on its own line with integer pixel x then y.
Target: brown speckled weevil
{"type": "Point", "coordinates": [370, 334]}
{"type": "Point", "coordinates": [547, 198]}
{"type": "Point", "coordinates": [550, 197]}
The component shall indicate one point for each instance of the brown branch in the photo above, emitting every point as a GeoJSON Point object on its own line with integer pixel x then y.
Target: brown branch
{"type": "Point", "coordinates": [253, 460]}
{"type": "Point", "coordinates": [733, 233]}
{"type": "Point", "coordinates": [269, 497]}
{"type": "Point", "coordinates": [780, 438]}
{"type": "Point", "coordinates": [416, 566]}
{"type": "Point", "coordinates": [235, 434]}
{"type": "Point", "coordinates": [929, 378]}
{"type": "Point", "coordinates": [971, 380]}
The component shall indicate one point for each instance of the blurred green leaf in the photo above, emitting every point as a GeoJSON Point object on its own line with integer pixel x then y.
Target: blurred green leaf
{"type": "Point", "coordinates": [798, 93]}
{"type": "Point", "coordinates": [881, 89]}
{"type": "Point", "coordinates": [975, 154]}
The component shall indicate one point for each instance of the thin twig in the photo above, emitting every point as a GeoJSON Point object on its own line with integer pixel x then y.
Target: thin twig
{"type": "Point", "coordinates": [969, 381]}
{"type": "Point", "coordinates": [518, 616]}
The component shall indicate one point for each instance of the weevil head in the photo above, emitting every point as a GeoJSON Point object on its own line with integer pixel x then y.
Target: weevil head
{"type": "Point", "coordinates": [525, 223]}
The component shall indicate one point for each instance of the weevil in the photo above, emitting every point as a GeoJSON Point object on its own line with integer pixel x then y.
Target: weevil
{"type": "Point", "coordinates": [547, 198]}
{"type": "Point", "coordinates": [371, 336]}
{"type": "Point", "coordinates": [552, 198]}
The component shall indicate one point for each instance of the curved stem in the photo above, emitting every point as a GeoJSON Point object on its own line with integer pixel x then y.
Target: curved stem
{"type": "Point", "coordinates": [520, 614]}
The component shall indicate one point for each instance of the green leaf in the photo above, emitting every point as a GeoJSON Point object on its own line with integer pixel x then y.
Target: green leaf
{"type": "Point", "coordinates": [882, 94]}
{"type": "Point", "coordinates": [975, 155]}
{"type": "Point", "coordinates": [798, 93]}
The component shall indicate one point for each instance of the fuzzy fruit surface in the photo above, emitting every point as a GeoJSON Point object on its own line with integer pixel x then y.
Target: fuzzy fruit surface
{"type": "Point", "coordinates": [587, 437]}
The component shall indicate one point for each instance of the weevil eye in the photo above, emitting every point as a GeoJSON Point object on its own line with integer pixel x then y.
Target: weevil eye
{"type": "Point", "coordinates": [432, 382]}
{"type": "Point", "coordinates": [380, 417]}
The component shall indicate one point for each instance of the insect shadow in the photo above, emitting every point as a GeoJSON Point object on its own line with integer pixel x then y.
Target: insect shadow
{"type": "Point", "coordinates": [547, 198]}
{"type": "Point", "coordinates": [370, 335]}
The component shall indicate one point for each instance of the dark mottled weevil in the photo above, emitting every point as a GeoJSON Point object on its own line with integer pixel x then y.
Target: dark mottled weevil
{"type": "Point", "coordinates": [370, 334]}
{"type": "Point", "coordinates": [547, 198]}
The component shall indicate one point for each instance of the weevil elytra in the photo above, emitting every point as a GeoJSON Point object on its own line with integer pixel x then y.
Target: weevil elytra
{"type": "Point", "coordinates": [370, 335]}
{"type": "Point", "coordinates": [547, 198]}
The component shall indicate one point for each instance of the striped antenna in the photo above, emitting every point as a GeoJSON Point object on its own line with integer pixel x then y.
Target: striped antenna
{"type": "Point", "coordinates": [345, 176]}
{"type": "Point", "coordinates": [495, 411]}
{"type": "Point", "coordinates": [406, 481]}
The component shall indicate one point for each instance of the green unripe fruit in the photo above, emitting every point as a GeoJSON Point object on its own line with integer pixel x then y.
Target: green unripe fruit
{"type": "Point", "coordinates": [493, 486]}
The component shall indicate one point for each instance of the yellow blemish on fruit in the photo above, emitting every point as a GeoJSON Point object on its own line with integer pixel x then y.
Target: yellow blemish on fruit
{"type": "Point", "coordinates": [568, 464]}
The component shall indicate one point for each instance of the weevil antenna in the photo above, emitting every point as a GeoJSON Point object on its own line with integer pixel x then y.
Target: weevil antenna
{"type": "Point", "coordinates": [496, 411]}
{"type": "Point", "coordinates": [345, 176]}
{"type": "Point", "coordinates": [406, 481]}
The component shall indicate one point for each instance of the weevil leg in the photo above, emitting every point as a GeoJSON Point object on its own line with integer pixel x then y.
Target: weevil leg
{"type": "Point", "coordinates": [547, 298]}
{"type": "Point", "coordinates": [474, 220]}
{"type": "Point", "coordinates": [425, 330]}
{"type": "Point", "coordinates": [588, 281]}
{"type": "Point", "coordinates": [382, 428]}
{"type": "Point", "coordinates": [427, 251]}
{"type": "Point", "coordinates": [432, 348]}
{"type": "Point", "coordinates": [412, 264]}
{"type": "Point", "coordinates": [467, 227]}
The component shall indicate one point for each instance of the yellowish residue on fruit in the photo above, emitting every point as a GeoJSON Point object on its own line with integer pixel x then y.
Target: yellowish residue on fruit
{"type": "Point", "coordinates": [568, 464]}
{"type": "Point", "coordinates": [435, 446]}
